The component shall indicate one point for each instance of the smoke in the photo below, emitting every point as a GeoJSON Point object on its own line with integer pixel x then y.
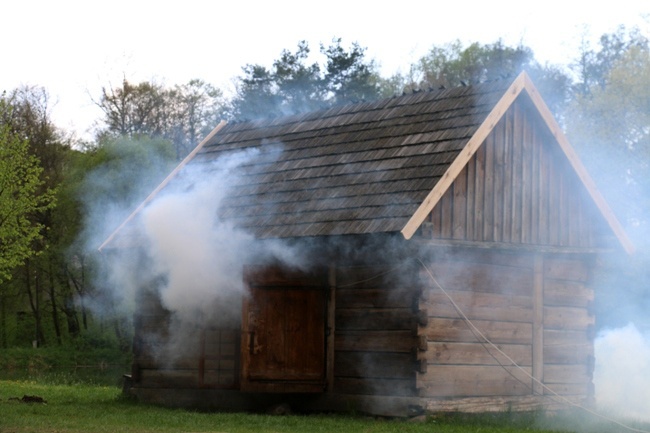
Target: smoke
{"type": "Point", "coordinates": [176, 248]}
{"type": "Point", "coordinates": [199, 255]}
{"type": "Point", "coordinates": [622, 373]}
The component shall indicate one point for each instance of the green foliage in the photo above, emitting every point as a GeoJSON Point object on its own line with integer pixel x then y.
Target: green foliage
{"type": "Point", "coordinates": [294, 86]}
{"type": "Point", "coordinates": [608, 122]}
{"type": "Point", "coordinates": [182, 114]}
{"type": "Point", "coordinates": [455, 64]}
{"type": "Point", "coordinates": [21, 197]}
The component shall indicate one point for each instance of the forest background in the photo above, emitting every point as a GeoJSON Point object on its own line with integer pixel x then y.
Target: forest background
{"type": "Point", "coordinates": [55, 188]}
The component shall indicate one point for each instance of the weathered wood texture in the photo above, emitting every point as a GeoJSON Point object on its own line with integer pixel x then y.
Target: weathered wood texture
{"type": "Point", "coordinates": [523, 403]}
{"type": "Point", "coordinates": [568, 326]}
{"type": "Point", "coordinates": [205, 356]}
{"type": "Point", "coordinates": [495, 291]}
{"type": "Point", "coordinates": [519, 188]}
{"type": "Point", "coordinates": [376, 336]}
{"type": "Point", "coordinates": [284, 321]}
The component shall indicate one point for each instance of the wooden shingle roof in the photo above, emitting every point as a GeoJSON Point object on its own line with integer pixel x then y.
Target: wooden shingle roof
{"type": "Point", "coordinates": [354, 169]}
{"type": "Point", "coordinates": [364, 168]}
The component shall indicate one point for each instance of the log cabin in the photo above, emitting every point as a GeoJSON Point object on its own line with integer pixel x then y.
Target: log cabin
{"type": "Point", "coordinates": [451, 237]}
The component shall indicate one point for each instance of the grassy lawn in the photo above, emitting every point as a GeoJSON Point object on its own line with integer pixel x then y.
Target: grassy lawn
{"type": "Point", "coordinates": [92, 408]}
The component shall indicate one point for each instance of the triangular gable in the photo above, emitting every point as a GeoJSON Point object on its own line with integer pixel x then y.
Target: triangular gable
{"type": "Point", "coordinates": [521, 83]}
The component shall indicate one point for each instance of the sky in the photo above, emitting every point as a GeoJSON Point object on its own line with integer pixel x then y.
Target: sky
{"type": "Point", "coordinates": [74, 48]}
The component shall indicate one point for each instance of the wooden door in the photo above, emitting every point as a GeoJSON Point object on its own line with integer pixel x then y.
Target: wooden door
{"type": "Point", "coordinates": [283, 333]}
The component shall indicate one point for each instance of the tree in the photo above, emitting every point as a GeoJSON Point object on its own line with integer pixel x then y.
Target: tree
{"type": "Point", "coordinates": [182, 114]}
{"type": "Point", "coordinates": [593, 66]}
{"type": "Point", "coordinates": [27, 116]}
{"type": "Point", "coordinates": [349, 77]}
{"type": "Point", "coordinates": [21, 197]}
{"type": "Point", "coordinates": [609, 121]}
{"type": "Point", "coordinates": [455, 64]}
{"type": "Point", "coordinates": [609, 124]}
{"type": "Point", "coordinates": [294, 86]}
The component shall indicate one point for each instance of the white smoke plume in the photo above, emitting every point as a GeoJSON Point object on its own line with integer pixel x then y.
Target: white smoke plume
{"type": "Point", "coordinates": [200, 256]}
{"type": "Point", "coordinates": [622, 373]}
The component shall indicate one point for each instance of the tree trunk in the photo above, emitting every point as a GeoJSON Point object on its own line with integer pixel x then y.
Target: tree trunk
{"type": "Point", "coordinates": [55, 312]}
{"type": "Point", "coordinates": [79, 288]}
{"type": "Point", "coordinates": [69, 308]}
{"type": "Point", "coordinates": [3, 320]}
{"type": "Point", "coordinates": [34, 303]}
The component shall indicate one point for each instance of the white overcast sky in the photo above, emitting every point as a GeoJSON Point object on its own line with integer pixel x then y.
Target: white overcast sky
{"type": "Point", "coordinates": [73, 48]}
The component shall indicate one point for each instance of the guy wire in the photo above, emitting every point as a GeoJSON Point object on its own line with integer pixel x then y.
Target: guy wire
{"type": "Point", "coordinates": [484, 340]}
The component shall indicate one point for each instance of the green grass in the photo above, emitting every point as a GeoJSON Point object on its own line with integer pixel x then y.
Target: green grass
{"type": "Point", "coordinates": [92, 408]}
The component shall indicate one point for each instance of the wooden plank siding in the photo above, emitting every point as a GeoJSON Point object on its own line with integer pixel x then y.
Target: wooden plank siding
{"type": "Point", "coordinates": [568, 326]}
{"type": "Point", "coordinates": [376, 331]}
{"type": "Point", "coordinates": [502, 296]}
{"type": "Point", "coordinates": [206, 357]}
{"type": "Point", "coordinates": [517, 189]}
{"type": "Point", "coordinates": [493, 291]}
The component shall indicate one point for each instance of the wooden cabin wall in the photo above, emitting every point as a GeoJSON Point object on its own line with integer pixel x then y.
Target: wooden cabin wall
{"type": "Point", "coordinates": [569, 323]}
{"type": "Point", "coordinates": [535, 308]}
{"type": "Point", "coordinates": [201, 355]}
{"type": "Point", "coordinates": [518, 188]}
{"type": "Point", "coordinates": [376, 331]}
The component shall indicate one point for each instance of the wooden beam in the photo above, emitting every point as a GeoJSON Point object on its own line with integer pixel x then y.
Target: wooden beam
{"type": "Point", "coordinates": [331, 328]}
{"type": "Point", "coordinates": [538, 324]}
{"type": "Point", "coordinates": [464, 156]}
{"type": "Point", "coordinates": [162, 185]}
{"type": "Point", "coordinates": [575, 162]}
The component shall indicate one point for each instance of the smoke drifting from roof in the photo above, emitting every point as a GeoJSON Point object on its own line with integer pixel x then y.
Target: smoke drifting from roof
{"type": "Point", "coordinates": [179, 249]}
{"type": "Point", "coordinates": [198, 255]}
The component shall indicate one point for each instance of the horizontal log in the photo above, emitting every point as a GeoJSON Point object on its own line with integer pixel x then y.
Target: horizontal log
{"type": "Point", "coordinates": [375, 365]}
{"type": "Point", "coordinates": [563, 374]}
{"type": "Point", "coordinates": [562, 339]}
{"type": "Point", "coordinates": [474, 255]}
{"type": "Point", "coordinates": [169, 378]}
{"type": "Point", "coordinates": [384, 319]}
{"type": "Point", "coordinates": [569, 389]}
{"type": "Point", "coordinates": [457, 330]}
{"type": "Point", "coordinates": [375, 341]}
{"type": "Point", "coordinates": [498, 404]}
{"type": "Point", "coordinates": [375, 298]}
{"type": "Point", "coordinates": [571, 269]}
{"type": "Point", "coordinates": [477, 354]}
{"type": "Point", "coordinates": [396, 387]}
{"type": "Point", "coordinates": [480, 278]}
{"type": "Point", "coordinates": [579, 353]}
{"type": "Point", "coordinates": [220, 378]}
{"type": "Point", "coordinates": [220, 364]}
{"type": "Point", "coordinates": [221, 350]}
{"type": "Point", "coordinates": [371, 277]}
{"type": "Point", "coordinates": [567, 294]}
{"type": "Point", "coordinates": [476, 305]}
{"type": "Point", "coordinates": [159, 361]}
{"type": "Point", "coordinates": [466, 381]}
{"type": "Point", "coordinates": [568, 318]}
